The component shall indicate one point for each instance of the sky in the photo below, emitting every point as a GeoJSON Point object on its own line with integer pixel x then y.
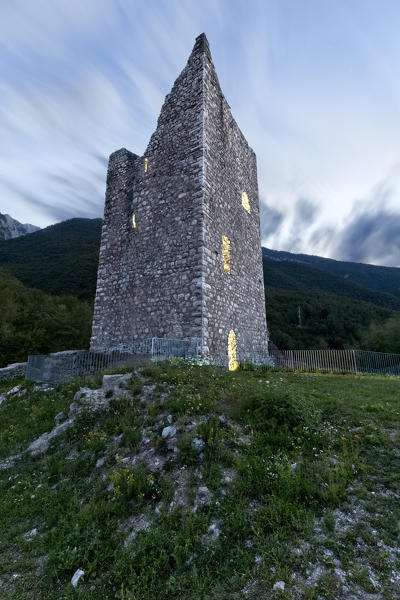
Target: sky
{"type": "Point", "coordinates": [313, 85]}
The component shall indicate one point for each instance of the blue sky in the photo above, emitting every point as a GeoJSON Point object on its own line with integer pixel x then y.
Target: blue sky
{"type": "Point", "coordinates": [313, 84]}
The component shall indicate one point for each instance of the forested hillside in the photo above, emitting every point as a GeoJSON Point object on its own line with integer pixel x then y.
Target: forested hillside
{"type": "Point", "coordinates": [302, 277]}
{"type": "Point", "coordinates": [61, 259]}
{"type": "Point", "coordinates": [312, 302]}
{"type": "Point", "coordinates": [298, 320]}
{"type": "Point", "coordinates": [381, 279]}
{"type": "Point", "coordinates": [33, 322]}
{"type": "Point", "coordinates": [309, 307]}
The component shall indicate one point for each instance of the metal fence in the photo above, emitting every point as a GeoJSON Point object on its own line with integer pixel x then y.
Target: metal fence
{"type": "Point", "coordinates": [61, 366]}
{"type": "Point", "coordinates": [338, 361]}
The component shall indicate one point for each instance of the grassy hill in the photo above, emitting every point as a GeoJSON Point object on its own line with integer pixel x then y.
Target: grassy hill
{"type": "Point", "coordinates": [263, 481]}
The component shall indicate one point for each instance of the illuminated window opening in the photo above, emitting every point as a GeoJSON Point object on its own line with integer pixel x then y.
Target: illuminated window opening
{"type": "Point", "coordinates": [145, 165]}
{"type": "Point", "coordinates": [133, 221]}
{"type": "Point", "coordinates": [232, 351]}
{"type": "Point", "coordinates": [226, 254]}
{"type": "Point", "coordinates": [246, 202]}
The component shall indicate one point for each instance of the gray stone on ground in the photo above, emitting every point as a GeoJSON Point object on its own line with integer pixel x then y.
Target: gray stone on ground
{"type": "Point", "coordinates": [203, 497]}
{"type": "Point", "coordinates": [134, 526]}
{"type": "Point", "coordinates": [14, 390]}
{"type": "Point", "coordinates": [279, 585]}
{"type": "Point", "coordinates": [41, 444]}
{"type": "Point", "coordinates": [31, 534]}
{"type": "Point", "coordinates": [115, 383]}
{"type": "Point", "coordinates": [169, 431]}
{"type": "Point", "coordinates": [228, 475]}
{"type": "Point", "coordinates": [84, 399]}
{"type": "Point", "coordinates": [198, 444]}
{"type": "Point", "coordinates": [59, 418]}
{"type": "Point", "coordinates": [212, 534]}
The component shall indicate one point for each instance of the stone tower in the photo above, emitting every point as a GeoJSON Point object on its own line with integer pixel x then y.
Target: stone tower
{"type": "Point", "coordinates": [180, 252]}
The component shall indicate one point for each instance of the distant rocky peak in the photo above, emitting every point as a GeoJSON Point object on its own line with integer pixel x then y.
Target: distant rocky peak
{"type": "Point", "coordinates": [10, 228]}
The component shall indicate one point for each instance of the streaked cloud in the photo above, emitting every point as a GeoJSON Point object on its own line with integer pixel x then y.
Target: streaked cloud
{"type": "Point", "coordinates": [313, 86]}
{"type": "Point", "coordinates": [372, 233]}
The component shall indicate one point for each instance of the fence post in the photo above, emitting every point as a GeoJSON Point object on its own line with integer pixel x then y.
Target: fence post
{"type": "Point", "coordinates": [355, 362]}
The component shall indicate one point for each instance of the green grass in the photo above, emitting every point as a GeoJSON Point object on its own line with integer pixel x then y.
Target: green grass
{"type": "Point", "coordinates": [287, 457]}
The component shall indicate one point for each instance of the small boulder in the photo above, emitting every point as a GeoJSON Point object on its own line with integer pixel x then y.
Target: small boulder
{"type": "Point", "coordinates": [134, 526]}
{"type": "Point", "coordinates": [112, 383]}
{"type": "Point", "coordinates": [59, 418]}
{"type": "Point", "coordinates": [169, 431]}
{"type": "Point", "coordinates": [279, 585]}
{"type": "Point", "coordinates": [31, 534]}
{"type": "Point", "coordinates": [203, 497]}
{"type": "Point", "coordinates": [198, 444]}
{"type": "Point", "coordinates": [212, 534]}
{"type": "Point", "coordinates": [14, 390]}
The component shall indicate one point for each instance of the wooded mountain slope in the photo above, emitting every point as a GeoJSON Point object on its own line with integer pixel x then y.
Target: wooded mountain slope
{"type": "Point", "coordinates": [381, 279]}
{"type": "Point", "coordinates": [33, 322]}
{"type": "Point", "coordinates": [61, 259]}
{"type": "Point", "coordinates": [312, 302]}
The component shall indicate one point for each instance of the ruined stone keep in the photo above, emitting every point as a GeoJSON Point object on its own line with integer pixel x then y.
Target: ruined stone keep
{"type": "Point", "coordinates": [180, 253]}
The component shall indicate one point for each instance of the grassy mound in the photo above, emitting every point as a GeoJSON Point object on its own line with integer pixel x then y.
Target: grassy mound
{"type": "Point", "coordinates": [189, 482]}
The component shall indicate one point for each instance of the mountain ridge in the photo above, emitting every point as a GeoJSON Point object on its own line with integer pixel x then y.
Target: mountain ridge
{"type": "Point", "coordinates": [11, 228]}
{"type": "Point", "coordinates": [375, 277]}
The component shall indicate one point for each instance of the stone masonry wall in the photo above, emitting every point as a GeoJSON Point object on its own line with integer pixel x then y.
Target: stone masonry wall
{"type": "Point", "coordinates": [149, 281]}
{"type": "Point", "coordinates": [232, 301]}
{"type": "Point", "coordinates": [165, 277]}
{"type": "Point", "coordinates": [12, 371]}
{"type": "Point", "coordinates": [113, 278]}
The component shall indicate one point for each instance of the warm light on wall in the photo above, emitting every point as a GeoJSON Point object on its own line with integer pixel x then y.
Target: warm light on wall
{"type": "Point", "coordinates": [133, 221]}
{"type": "Point", "coordinates": [145, 165]}
{"type": "Point", "coordinates": [226, 253]}
{"type": "Point", "coordinates": [232, 351]}
{"type": "Point", "coordinates": [246, 202]}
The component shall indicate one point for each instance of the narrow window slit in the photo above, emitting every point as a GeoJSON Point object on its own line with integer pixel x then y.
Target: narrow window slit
{"type": "Point", "coordinates": [246, 202]}
{"type": "Point", "coordinates": [232, 351]}
{"type": "Point", "coordinates": [226, 253]}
